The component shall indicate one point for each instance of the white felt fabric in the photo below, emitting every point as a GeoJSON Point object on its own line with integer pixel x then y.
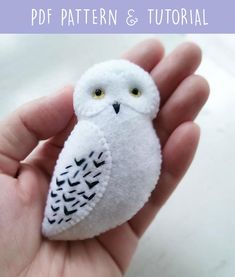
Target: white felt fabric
{"type": "Point", "coordinates": [131, 151]}
{"type": "Point", "coordinates": [80, 178]}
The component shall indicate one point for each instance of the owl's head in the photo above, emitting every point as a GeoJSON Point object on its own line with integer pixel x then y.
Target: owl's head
{"type": "Point", "coordinates": [117, 84]}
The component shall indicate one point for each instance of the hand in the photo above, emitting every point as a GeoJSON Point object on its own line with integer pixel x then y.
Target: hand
{"type": "Point", "coordinates": [26, 168]}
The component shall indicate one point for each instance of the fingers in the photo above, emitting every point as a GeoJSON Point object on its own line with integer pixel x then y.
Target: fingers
{"type": "Point", "coordinates": [183, 105]}
{"type": "Point", "coordinates": [174, 68]}
{"type": "Point", "coordinates": [181, 99]}
{"type": "Point", "coordinates": [177, 157]}
{"type": "Point", "coordinates": [178, 154]}
{"type": "Point", "coordinates": [145, 54]}
{"type": "Point", "coordinates": [38, 120]}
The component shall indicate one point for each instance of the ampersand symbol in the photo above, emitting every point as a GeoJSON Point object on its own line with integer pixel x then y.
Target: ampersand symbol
{"type": "Point", "coordinates": [131, 21]}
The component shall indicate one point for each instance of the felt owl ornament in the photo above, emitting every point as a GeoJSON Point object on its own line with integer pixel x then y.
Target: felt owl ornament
{"type": "Point", "coordinates": [111, 161]}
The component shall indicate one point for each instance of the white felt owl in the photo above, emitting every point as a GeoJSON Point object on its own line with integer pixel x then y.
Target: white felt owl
{"type": "Point", "coordinates": [111, 161]}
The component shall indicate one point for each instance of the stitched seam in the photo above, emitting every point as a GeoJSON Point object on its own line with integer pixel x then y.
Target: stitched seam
{"type": "Point", "coordinates": [99, 192]}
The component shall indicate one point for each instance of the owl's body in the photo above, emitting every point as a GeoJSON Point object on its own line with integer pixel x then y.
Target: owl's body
{"type": "Point", "coordinates": [109, 165]}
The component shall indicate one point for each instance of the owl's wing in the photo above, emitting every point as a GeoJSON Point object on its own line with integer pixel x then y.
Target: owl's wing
{"type": "Point", "coordinates": [79, 180]}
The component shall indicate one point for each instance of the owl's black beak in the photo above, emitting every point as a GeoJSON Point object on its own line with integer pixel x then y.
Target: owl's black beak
{"type": "Point", "coordinates": [116, 107]}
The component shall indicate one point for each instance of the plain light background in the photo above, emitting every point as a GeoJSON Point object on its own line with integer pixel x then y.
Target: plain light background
{"type": "Point", "coordinates": [194, 233]}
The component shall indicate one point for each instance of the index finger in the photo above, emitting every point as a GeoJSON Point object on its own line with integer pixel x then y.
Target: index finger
{"type": "Point", "coordinates": [35, 121]}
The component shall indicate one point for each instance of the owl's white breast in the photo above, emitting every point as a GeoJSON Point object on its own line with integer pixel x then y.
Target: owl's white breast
{"type": "Point", "coordinates": [136, 162]}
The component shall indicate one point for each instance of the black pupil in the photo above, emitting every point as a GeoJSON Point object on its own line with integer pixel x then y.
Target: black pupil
{"type": "Point", "coordinates": [98, 92]}
{"type": "Point", "coordinates": [135, 91]}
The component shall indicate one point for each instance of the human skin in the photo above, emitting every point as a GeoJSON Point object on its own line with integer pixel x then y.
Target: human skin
{"type": "Point", "coordinates": [26, 168]}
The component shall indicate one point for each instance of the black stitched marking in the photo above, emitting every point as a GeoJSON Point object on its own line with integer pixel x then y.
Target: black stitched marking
{"type": "Point", "coordinates": [68, 166]}
{"type": "Point", "coordinates": [89, 197]}
{"type": "Point", "coordinates": [86, 174]}
{"type": "Point", "coordinates": [60, 220]}
{"type": "Point", "coordinates": [76, 173]}
{"type": "Point", "coordinates": [51, 221]}
{"type": "Point", "coordinates": [55, 209]}
{"type": "Point", "coordinates": [57, 201]}
{"type": "Point", "coordinates": [68, 219]}
{"type": "Point", "coordinates": [98, 164]}
{"type": "Point", "coordinates": [59, 183]}
{"type": "Point", "coordinates": [75, 203]}
{"type": "Point", "coordinates": [69, 212]}
{"type": "Point", "coordinates": [100, 155]}
{"type": "Point", "coordinates": [79, 193]}
{"type": "Point", "coordinates": [85, 166]}
{"type": "Point", "coordinates": [64, 173]}
{"type": "Point", "coordinates": [53, 194]}
{"type": "Point", "coordinates": [73, 184]}
{"type": "Point", "coordinates": [80, 162]}
{"type": "Point", "coordinates": [91, 154]}
{"type": "Point", "coordinates": [83, 204]}
{"type": "Point", "coordinates": [71, 191]}
{"type": "Point", "coordinates": [92, 184]}
{"type": "Point", "coordinates": [54, 214]}
{"type": "Point", "coordinates": [68, 199]}
{"type": "Point", "coordinates": [59, 189]}
{"type": "Point", "coordinates": [97, 175]}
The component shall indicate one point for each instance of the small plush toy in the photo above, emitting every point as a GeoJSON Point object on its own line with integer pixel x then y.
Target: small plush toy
{"type": "Point", "coordinates": [111, 161]}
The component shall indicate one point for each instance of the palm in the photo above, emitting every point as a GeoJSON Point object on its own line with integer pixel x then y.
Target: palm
{"type": "Point", "coordinates": [24, 186]}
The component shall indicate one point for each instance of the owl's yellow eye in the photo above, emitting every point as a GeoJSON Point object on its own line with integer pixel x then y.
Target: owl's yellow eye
{"type": "Point", "coordinates": [98, 93]}
{"type": "Point", "coordinates": [135, 92]}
